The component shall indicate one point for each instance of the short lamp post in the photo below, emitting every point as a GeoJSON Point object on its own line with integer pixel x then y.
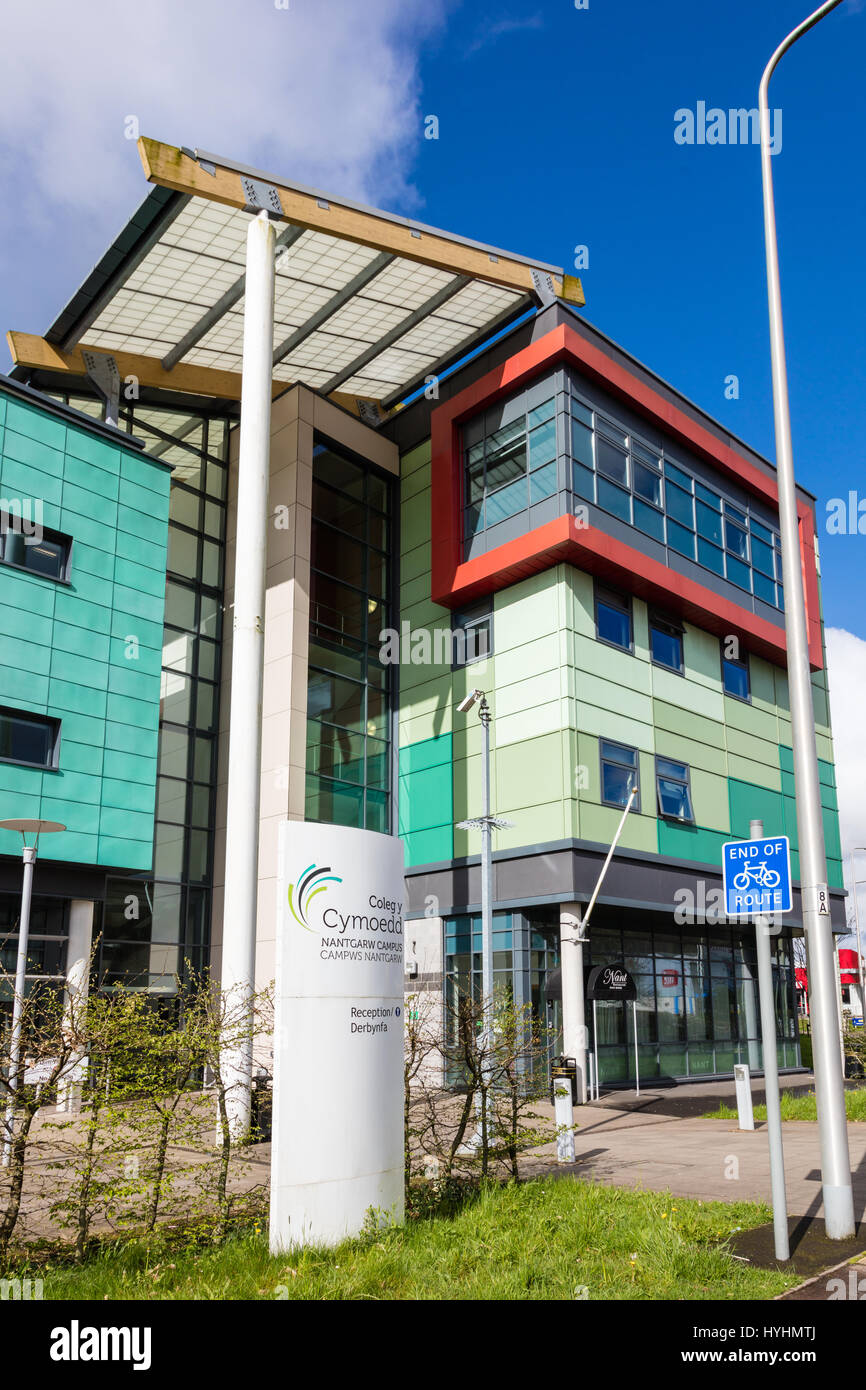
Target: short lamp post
{"type": "Point", "coordinates": [25, 828]}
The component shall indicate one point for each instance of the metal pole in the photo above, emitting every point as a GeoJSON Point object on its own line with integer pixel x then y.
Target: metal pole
{"type": "Point", "coordinates": [595, 1043]}
{"type": "Point", "coordinates": [29, 857]}
{"type": "Point", "coordinates": [573, 1017]}
{"type": "Point", "coordinates": [835, 1163]}
{"type": "Point", "coordinates": [860, 976]}
{"type": "Point", "coordinates": [245, 741]}
{"type": "Point", "coordinates": [486, 880]}
{"type": "Point", "coordinates": [771, 1074]}
{"type": "Point", "coordinates": [636, 1056]}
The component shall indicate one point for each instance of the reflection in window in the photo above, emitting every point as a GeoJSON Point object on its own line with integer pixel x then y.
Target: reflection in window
{"type": "Point", "coordinates": [673, 792]}
{"type": "Point", "coordinates": [509, 469]}
{"type": "Point", "coordinates": [666, 643]}
{"type": "Point", "coordinates": [348, 705]}
{"type": "Point", "coordinates": [735, 678]}
{"type": "Point", "coordinates": [619, 773]}
{"type": "Point", "coordinates": [634, 481]}
{"type": "Point", "coordinates": [613, 618]}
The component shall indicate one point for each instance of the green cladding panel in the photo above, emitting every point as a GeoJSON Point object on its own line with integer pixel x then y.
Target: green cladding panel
{"type": "Point", "coordinates": [86, 651]}
{"type": "Point", "coordinates": [426, 802]}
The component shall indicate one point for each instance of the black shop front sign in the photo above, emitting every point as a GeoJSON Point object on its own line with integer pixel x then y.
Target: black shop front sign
{"type": "Point", "coordinates": [611, 983]}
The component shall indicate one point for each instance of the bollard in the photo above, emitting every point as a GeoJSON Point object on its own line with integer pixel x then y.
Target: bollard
{"type": "Point", "coordinates": [564, 1116]}
{"type": "Point", "coordinates": [743, 1082]}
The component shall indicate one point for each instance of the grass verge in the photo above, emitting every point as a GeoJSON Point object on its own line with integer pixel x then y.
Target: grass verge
{"type": "Point", "coordinates": [545, 1239]}
{"type": "Point", "coordinates": [798, 1107]}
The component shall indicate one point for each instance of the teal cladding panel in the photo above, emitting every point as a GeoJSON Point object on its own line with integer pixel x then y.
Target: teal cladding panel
{"type": "Point", "coordinates": [64, 647]}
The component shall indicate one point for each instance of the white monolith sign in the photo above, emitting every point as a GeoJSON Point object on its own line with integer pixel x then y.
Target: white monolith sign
{"type": "Point", "coordinates": [337, 1142]}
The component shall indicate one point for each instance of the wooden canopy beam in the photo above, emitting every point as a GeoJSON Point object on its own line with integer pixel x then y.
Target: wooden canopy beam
{"type": "Point", "coordinates": [28, 350]}
{"type": "Point", "coordinates": [171, 168]}
{"type": "Point", "coordinates": [34, 352]}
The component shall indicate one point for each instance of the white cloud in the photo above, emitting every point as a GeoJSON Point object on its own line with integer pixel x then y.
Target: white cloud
{"type": "Point", "coordinates": [846, 670]}
{"type": "Point", "coordinates": [325, 92]}
{"type": "Point", "coordinates": [488, 33]}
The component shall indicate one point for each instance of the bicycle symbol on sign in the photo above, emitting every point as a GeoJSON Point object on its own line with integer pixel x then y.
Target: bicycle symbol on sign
{"type": "Point", "coordinates": [757, 876]}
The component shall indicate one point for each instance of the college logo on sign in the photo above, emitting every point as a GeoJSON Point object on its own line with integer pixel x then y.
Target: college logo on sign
{"type": "Point", "coordinates": [311, 882]}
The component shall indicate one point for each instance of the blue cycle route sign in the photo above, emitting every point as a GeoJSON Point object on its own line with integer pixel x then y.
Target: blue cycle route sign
{"type": "Point", "coordinates": [757, 876]}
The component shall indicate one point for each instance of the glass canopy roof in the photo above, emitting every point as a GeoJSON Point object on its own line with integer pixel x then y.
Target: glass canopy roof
{"type": "Point", "coordinates": [349, 317]}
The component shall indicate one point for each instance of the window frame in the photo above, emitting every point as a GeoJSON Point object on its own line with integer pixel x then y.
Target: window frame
{"type": "Point", "coordinates": [669, 627]}
{"type": "Point", "coordinates": [685, 781]}
{"type": "Point", "coordinates": [59, 538]}
{"type": "Point", "coordinates": [639, 449]}
{"type": "Point", "coordinates": [740, 662]}
{"type": "Point", "coordinates": [54, 725]}
{"type": "Point", "coordinates": [602, 761]}
{"type": "Point", "coordinates": [623, 603]}
{"type": "Point", "coordinates": [531, 469]}
{"type": "Point", "coordinates": [466, 620]}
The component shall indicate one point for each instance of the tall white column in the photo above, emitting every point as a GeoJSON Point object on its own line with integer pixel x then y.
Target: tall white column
{"type": "Point", "coordinates": [573, 1020]}
{"type": "Point", "coordinates": [77, 989]}
{"type": "Point", "coordinates": [245, 733]}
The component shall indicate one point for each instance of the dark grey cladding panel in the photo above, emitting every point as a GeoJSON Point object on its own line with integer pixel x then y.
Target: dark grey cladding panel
{"type": "Point", "coordinates": [56, 880]}
{"type": "Point", "coordinates": [561, 873]}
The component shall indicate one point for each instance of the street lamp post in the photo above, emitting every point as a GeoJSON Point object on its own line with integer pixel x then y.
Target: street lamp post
{"type": "Point", "coordinates": [835, 1163]}
{"type": "Point", "coordinates": [486, 823]}
{"type": "Point", "coordinates": [24, 828]}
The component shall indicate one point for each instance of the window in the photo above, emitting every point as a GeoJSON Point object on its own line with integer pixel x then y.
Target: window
{"type": "Point", "coordinates": [613, 618]}
{"type": "Point", "coordinates": [509, 468]}
{"type": "Point", "coordinates": [666, 643]}
{"type": "Point", "coordinates": [473, 635]}
{"type": "Point", "coordinates": [28, 738]}
{"type": "Point", "coordinates": [672, 790]}
{"type": "Point", "coordinates": [31, 547]}
{"type": "Point", "coordinates": [348, 687]}
{"type": "Point", "coordinates": [619, 773]}
{"type": "Point", "coordinates": [632, 479]}
{"type": "Point", "coordinates": [735, 678]}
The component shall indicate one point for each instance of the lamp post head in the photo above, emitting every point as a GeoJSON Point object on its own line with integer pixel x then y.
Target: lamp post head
{"type": "Point", "coordinates": [32, 827]}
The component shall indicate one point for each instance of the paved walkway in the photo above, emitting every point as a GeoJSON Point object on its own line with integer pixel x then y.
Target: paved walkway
{"type": "Point", "coordinates": [649, 1142]}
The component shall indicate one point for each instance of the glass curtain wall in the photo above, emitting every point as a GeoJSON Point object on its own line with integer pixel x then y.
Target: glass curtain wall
{"type": "Point", "coordinates": [697, 1002]}
{"type": "Point", "coordinates": [154, 927]}
{"type": "Point", "coordinates": [349, 692]}
{"type": "Point", "coordinates": [525, 952]}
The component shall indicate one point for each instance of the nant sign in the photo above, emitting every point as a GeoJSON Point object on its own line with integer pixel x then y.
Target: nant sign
{"type": "Point", "coordinates": [611, 983]}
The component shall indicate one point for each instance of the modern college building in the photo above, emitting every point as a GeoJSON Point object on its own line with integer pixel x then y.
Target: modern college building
{"type": "Point", "coordinates": [470, 487]}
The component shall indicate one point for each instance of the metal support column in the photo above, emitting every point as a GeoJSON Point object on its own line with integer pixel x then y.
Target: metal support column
{"type": "Point", "coordinates": [245, 730]}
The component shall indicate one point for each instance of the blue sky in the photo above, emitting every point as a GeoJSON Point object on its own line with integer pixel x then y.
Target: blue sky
{"type": "Point", "coordinates": [556, 129]}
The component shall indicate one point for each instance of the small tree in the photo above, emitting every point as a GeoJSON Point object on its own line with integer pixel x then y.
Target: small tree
{"type": "Point", "coordinates": [496, 1078]}
{"type": "Point", "coordinates": [219, 1024]}
{"type": "Point", "coordinates": [93, 1140]}
{"type": "Point", "coordinates": [48, 1056]}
